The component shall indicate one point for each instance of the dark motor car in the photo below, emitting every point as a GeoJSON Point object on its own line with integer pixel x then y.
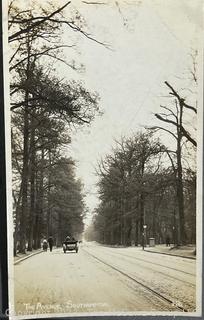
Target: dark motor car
{"type": "Point", "coordinates": [70, 245]}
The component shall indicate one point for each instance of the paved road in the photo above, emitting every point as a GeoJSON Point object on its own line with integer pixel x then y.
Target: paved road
{"type": "Point", "coordinates": [103, 279]}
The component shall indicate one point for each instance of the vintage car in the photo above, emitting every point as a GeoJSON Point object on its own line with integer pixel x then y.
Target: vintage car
{"type": "Point", "coordinates": [70, 245]}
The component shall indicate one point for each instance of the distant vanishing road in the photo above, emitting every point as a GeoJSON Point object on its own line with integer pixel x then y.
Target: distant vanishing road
{"type": "Point", "coordinates": [104, 279]}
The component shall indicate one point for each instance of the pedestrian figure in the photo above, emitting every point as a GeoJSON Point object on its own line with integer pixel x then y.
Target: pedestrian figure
{"type": "Point", "coordinates": [168, 241]}
{"type": "Point", "coordinates": [50, 241]}
{"type": "Point", "coordinates": [45, 244]}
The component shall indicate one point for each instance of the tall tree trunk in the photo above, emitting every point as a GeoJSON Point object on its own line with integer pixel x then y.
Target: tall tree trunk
{"type": "Point", "coordinates": [17, 216]}
{"type": "Point", "coordinates": [25, 171]}
{"type": "Point", "coordinates": [59, 231]}
{"type": "Point", "coordinates": [153, 224]}
{"type": "Point", "coordinates": [141, 206]}
{"type": "Point", "coordinates": [24, 209]}
{"type": "Point", "coordinates": [136, 231]}
{"type": "Point", "coordinates": [38, 224]}
{"type": "Point", "coordinates": [180, 196]}
{"type": "Point", "coordinates": [129, 232]}
{"type": "Point", "coordinates": [48, 218]}
{"type": "Point", "coordinates": [32, 185]}
{"type": "Point", "coordinates": [121, 222]}
{"type": "Point", "coordinates": [41, 198]}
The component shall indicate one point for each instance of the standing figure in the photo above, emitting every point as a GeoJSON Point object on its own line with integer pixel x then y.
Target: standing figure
{"type": "Point", "coordinates": [50, 241]}
{"type": "Point", "coordinates": [168, 241]}
{"type": "Point", "coordinates": [45, 245]}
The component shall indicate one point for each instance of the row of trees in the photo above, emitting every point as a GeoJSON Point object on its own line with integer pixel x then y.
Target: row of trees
{"type": "Point", "coordinates": [44, 108]}
{"type": "Point", "coordinates": [48, 199]}
{"type": "Point", "coordinates": [146, 188]}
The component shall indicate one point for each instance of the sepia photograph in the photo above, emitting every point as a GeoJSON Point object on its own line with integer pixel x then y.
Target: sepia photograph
{"type": "Point", "coordinates": [104, 113]}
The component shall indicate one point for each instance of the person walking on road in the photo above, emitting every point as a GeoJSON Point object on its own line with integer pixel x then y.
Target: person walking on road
{"type": "Point", "coordinates": [167, 241]}
{"type": "Point", "coordinates": [45, 244]}
{"type": "Point", "coordinates": [50, 241]}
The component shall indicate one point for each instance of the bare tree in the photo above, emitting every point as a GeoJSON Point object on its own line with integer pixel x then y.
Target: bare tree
{"type": "Point", "coordinates": [175, 117]}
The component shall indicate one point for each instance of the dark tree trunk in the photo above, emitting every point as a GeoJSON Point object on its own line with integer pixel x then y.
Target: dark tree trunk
{"type": "Point", "coordinates": [153, 225]}
{"type": "Point", "coordinates": [59, 231]}
{"type": "Point", "coordinates": [180, 195]}
{"type": "Point", "coordinates": [129, 231]}
{"type": "Point", "coordinates": [136, 232]}
{"type": "Point", "coordinates": [141, 206]}
{"type": "Point", "coordinates": [41, 200]}
{"type": "Point", "coordinates": [35, 230]}
{"type": "Point", "coordinates": [48, 218]}
{"type": "Point", "coordinates": [121, 229]}
{"type": "Point", "coordinates": [32, 185]}
{"type": "Point", "coordinates": [24, 208]}
{"type": "Point", "coordinates": [25, 171]}
{"type": "Point", "coordinates": [38, 224]}
{"type": "Point", "coordinates": [17, 221]}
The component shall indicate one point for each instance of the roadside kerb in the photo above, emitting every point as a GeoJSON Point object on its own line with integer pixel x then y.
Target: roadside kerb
{"type": "Point", "coordinates": [28, 256]}
{"type": "Point", "coordinates": [170, 254]}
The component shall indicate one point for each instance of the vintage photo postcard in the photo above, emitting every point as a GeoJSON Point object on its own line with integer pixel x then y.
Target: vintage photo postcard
{"type": "Point", "coordinates": [104, 118]}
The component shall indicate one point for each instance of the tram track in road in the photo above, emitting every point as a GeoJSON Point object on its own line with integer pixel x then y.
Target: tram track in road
{"type": "Point", "coordinates": [153, 263]}
{"type": "Point", "coordinates": [170, 301]}
{"type": "Point", "coordinates": [157, 271]}
{"type": "Point", "coordinates": [167, 275]}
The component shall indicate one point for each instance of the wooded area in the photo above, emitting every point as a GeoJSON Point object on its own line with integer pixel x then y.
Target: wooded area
{"type": "Point", "coordinates": [146, 188]}
{"type": "Point", "coordinates": [48, 198]}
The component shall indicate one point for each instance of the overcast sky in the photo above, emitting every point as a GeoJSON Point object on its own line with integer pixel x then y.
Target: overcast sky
{"type": "Point", "coordinates": [150, 42]}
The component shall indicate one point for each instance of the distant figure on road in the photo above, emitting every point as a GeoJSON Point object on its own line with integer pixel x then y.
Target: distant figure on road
{"type": "Point", "coordinates": [45, 245]}
{"type": "Point", "coordinates": [168, 241]}
{"type": "Point", "coordinates": [50, 241]}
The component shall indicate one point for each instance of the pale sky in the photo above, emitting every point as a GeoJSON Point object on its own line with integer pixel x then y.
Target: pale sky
{"type": "Point", "coordinates": [150, 42]}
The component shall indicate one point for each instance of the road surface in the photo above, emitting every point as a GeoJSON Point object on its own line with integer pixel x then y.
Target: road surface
{"type": "Point", "coordinates": [104, 279]}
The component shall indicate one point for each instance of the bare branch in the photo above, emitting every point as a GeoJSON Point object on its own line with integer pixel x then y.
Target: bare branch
{"type": "Point", "coordinates": [41, 54]}
{"type": "Point", "coordinates": [76, 28]}
{"type": "Point", "coordinates": [155, 128]}
{"type": "Point", "coordinates": [36, 24]}
{"type": "Point", "coordinates": [184, 132]}
{"type": "Point", "coordinates": [181, 100]}
{"type": "Point", "coordinates": [172, 163]}
{"type": "Point", "coordinates": [15, 53]}
{"type": "Point", "coordinates": [171, 112]}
